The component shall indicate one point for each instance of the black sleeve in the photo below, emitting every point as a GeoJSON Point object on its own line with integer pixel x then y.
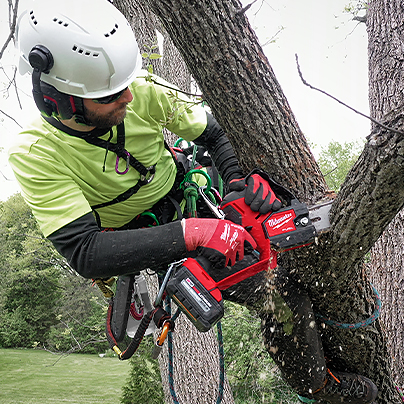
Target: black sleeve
{"type": "Point", "coordinates": [95, 254]}
{"type": "Point", "coordinates": [220, 149]}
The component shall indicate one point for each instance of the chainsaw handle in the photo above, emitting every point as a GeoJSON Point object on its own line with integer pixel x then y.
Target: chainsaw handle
{"type": "Point", "coordinates": [279, 190]}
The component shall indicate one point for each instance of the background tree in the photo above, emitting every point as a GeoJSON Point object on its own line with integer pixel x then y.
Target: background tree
{"type": "Point", "coordinates": [43, 302]}
{"type": "Point", "coordinates": [81, 312]}
{"type": "Point", "coordinates": [29, 278]}
{"type": "Point", "coordinates": [253, 376]}
{"type": "Point", "coordinates": [201, 366]}
{"type": "Point", "coordinates": [385, 51]}
{"type": "Point", "coordinates": [215, 36]}
{"type": "Point", "coordinates": [335, 161]}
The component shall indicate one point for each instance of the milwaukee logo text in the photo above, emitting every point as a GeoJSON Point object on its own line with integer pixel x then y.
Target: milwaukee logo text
{"type": "Point", "coordinates": [278, 222]}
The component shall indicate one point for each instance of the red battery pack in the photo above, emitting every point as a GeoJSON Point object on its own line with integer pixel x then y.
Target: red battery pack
{"type": "Point", "coordinates": [196, 294]}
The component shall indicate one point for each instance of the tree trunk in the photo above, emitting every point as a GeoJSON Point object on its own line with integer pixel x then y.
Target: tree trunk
{"type": "Point", "coordinates": [196, 367]}
{"type": "Point", "coordinates": [386, 274]}
{"type": "Point", "coordinates": [223, 54]}
{"type": "Point", "coordinates": [196, 355]}
{"type": "Point", "coordinates": [386, 99]}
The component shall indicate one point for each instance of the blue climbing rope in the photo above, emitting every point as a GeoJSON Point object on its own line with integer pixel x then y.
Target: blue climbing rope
{"type": "Point", "coordinates": [191, 195]}
{"type": "Point", "coordinates": [400, 393]}
{"type": "Point", "coordinates": [171, 357]}
{"type": "Point", "coordinates": [221, 362]}
{"type": "Point", "coordinates": [363, 323]}
{"type": "Point", "coordinates": [306, 400]}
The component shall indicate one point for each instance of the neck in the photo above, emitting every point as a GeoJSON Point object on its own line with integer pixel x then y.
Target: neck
{"type": "Point", "coordinates": [72, 124]}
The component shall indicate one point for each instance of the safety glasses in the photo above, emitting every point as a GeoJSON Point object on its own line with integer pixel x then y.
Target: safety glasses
{"type": "Point", "coordinates": [109, 99]}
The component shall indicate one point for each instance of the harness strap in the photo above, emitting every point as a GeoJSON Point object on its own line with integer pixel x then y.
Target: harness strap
{"type": "Point", "coordinates": [146, 173]}
{"type": "Point", "coordinates": [122, 197]}
{"type": "Point", "coordinates": [93, 138]}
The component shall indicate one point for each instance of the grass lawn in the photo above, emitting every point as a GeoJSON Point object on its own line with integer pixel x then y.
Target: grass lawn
{"type": "Point", "coordinates": [37, 377]}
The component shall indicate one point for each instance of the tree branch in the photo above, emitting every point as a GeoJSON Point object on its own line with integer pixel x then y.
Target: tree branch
{"type": "Point", "coordinates": [10, 117]}
{"type": "Point", "coordinates": [12, 28]}
{"type": "Point", "coordinates": [389, 128]}
{"type": "Point", "coordinates": [273, 36]}
{"type": "Point", "coordinates": [244, 9]}
{"type": "Point", "coordinates": [361, 18]}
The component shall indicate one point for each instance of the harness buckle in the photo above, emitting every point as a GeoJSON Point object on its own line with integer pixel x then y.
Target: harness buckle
{"type": "Point", "coordinates": [146, 179]}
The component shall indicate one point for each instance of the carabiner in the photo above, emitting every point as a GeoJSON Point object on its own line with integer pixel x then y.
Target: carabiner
{"type": "Point", "coordinates": [167, 276]}
{"type": "Point", "coordinates": [127, 164]}
{"type": "Point", "coordinates": [145, 179]}
{"type": "Point", "coordinates": [216, 210]}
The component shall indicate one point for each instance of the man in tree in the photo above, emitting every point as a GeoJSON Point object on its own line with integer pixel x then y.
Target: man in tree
{"type": "Point", "coordinates": [96, 160]}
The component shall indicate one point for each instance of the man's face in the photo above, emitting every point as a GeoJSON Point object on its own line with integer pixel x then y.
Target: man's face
{"type": "Point", "coordinates": [106, 115]}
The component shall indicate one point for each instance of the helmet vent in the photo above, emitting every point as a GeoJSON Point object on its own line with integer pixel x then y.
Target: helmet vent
{"type": "Point", "coordinates": [112, 32]}
{"type": "Point", "coordinates": [33, 19]}
{"type": "Point", "coordinates": [60, 22]}
{"type": "Point", "coordinates": [84, 52]}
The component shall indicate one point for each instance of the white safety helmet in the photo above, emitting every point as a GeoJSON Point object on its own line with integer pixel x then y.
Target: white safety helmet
{"type": "Point", "coordinates": [92, 46]}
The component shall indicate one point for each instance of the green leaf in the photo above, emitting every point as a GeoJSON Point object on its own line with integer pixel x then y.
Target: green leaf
{"type": "Point", "coordinates": [155, 56]}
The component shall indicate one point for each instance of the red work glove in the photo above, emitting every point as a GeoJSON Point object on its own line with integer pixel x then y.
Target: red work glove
{"type": "Point", "coordinates": [221, 241]}
{"type": "Point", "coordinates": [258, 195]}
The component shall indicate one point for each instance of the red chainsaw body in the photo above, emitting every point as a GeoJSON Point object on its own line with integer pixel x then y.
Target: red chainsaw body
{"type": "Point", "coordinates": [199, 295]}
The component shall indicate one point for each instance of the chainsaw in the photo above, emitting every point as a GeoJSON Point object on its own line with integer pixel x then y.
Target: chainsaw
{"type": "Point", "coordinates": [191, 282]}
{"type": "Point", "coordinates": [192, 285]}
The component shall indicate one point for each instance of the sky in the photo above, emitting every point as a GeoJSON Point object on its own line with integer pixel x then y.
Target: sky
{"type": "Point", "coordinates": [332, 51]}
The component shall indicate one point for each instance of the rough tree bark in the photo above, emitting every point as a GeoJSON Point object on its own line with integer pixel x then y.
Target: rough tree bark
{"type": "Point", "coordinates": [196, 357]}
{"type": "Point", "coordinates": [223, 54]}
{"type": "Point", "coordinates": [385, 30]}
{"type": "Point", "coordinates": [386, 275]}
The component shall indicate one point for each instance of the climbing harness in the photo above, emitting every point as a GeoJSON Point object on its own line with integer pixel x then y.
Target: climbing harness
{"type": "Point", "coordinates": [93, 137]}
{"type": "Point", "coordinates": [130, 312]}
{"type": "Point", "coordinates": [363, 323]}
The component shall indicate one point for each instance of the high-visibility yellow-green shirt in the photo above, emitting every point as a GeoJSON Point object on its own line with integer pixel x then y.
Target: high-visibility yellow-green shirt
{"type": "Point", "coordinates": [61, 176]}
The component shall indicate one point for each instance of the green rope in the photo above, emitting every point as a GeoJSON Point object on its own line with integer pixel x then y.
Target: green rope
{"type": "Point", "coordinates": [188, 179]}
{"type": "Point", "coordinates": [191, 187]}
{"type": "Point", "coordinates": [191, 196]}
{"type": "Point", "coordinates": [180, 140]}
{"type": "Point", "coordinates": [153, 216]}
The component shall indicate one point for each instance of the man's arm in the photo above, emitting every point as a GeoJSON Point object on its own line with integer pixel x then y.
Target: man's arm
{"type": "Point", "coordinates": [220, 149]}
{"type": "Point", "coordinates": [95, 254]}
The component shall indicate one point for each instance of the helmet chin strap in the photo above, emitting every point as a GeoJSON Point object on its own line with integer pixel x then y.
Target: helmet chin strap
{"type": "Point", "coordinates": [79, 111]}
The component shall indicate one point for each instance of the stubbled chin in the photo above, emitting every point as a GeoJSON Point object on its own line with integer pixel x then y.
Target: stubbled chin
{"type": "Point", "coordinates": [107, 121]}
{"type": "Point", "coordinates": [122, 114]}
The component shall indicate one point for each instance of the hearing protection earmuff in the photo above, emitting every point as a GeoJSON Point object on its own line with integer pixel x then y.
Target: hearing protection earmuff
{"type": "Point", "coordinates": [47, 98]}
